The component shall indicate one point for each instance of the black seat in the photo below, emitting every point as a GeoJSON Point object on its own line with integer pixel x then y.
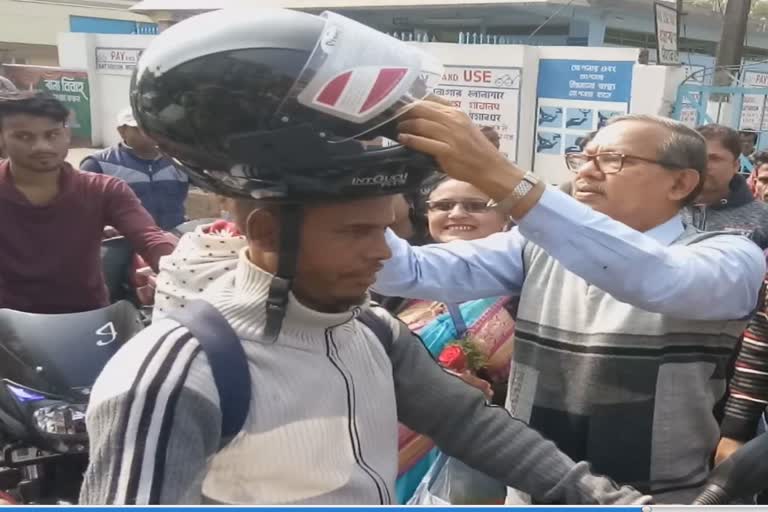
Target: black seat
{"type": "Point", "coordinates": [57, 353]}
{"type": "Point", "coordinates": [116, 261]}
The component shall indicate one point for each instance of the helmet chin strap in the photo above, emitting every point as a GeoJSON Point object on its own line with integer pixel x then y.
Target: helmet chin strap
{"type": "Point", "coordinates": [291, 216]}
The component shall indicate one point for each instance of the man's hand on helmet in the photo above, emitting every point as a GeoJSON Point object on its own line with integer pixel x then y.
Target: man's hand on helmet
{"type": "Point", "coordinates": [450, 136]}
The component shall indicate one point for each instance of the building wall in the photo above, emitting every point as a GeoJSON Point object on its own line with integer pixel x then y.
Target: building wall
{"type": "Point", "coordinates": [28, 29]}
{"type": "Point", "coordinates": [39, 22]}
{"type": "Point", "coordinates": [109, 88]}
{"type": "Point", "coordinates": [34, 54]}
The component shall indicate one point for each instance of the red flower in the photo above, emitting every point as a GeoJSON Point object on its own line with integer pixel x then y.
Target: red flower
{"type": "Point", "coordinates": [453, 358]}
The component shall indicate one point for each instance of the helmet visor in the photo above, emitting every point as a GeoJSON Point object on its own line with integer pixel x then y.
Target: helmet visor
{"type": "Point", "coordinates": [361, 76]}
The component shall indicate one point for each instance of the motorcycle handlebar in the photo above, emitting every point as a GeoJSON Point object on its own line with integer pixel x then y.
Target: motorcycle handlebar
{"type": "Point", "coordinates": [743, 474]}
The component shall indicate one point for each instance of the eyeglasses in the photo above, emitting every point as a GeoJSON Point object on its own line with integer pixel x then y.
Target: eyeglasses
{"type": "Point", "coordinates": [609, 163]}
{"type": "Point", "coordinates": [468, 205]}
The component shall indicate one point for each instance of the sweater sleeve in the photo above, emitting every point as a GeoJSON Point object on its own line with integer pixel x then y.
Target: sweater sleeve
{"type": "Point", "coordinates": [456, 416]}
{"type": "Point", "coordinates": [748, 393]}
{"type": "Point", "coordinates": [125, 212]}
{"type": "Point", "coordinates": [151, 441]}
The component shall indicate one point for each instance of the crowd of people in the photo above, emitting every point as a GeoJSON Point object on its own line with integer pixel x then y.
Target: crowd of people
{"type": "Point", "coordinates": [620, 320]}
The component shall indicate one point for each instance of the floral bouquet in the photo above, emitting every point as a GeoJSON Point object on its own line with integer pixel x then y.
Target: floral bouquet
{"type": "Point", "coordinates": [462, 355]}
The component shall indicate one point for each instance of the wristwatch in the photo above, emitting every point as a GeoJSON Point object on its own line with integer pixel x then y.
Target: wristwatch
{"type": "Point", "coordinates": [522, 189]}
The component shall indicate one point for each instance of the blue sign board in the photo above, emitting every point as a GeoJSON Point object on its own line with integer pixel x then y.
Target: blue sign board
{"type": "Point", "coordinates": [585, 80]}
{"type": "Point", "coordinates": [91, 25]}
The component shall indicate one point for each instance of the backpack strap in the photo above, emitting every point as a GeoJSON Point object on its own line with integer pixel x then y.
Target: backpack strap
{"type": "Point", "coordinates": [380, 328]}
{"type": "Point", "coordinates": [227, 359]}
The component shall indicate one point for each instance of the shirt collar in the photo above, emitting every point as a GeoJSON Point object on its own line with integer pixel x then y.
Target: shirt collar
{"type": "Point", "coordinates": [667, 232]}
{"type": "Point", "coordinates": [241, 297]}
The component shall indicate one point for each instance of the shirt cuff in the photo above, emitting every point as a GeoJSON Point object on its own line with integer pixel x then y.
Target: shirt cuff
{"type": "Point", "coordinates": [740, 428]}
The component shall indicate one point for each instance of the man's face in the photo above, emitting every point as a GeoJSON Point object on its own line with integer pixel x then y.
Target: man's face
{"type": "Point", "coordinates": [721, 167]}
{"type": "Point", "coordinates": [635, 195]}
{"type": "Point", "coordinates": [37, 144]}
{"type": "Point", "coordinates": [136, 139]}
{"type": "Point", "coordinates": [747, 143]}
{"type": "Point", "coordinates": [342, 249]}
{"type": "Point", "coordinates": [761, 184]}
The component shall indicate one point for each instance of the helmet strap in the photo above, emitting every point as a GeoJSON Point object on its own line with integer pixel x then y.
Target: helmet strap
{"type": "Point", "coordinates": [277, 300]}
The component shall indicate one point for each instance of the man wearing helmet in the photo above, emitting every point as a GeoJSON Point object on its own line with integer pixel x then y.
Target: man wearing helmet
{"type": "Point", "coordinates": [327, 391]}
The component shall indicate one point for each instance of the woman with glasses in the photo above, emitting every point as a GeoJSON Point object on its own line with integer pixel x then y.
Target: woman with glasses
{"type": "Point", "coordinates": [483, 330]}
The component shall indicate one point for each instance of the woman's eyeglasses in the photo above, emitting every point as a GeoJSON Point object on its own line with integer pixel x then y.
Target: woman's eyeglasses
{"type": "Point", "coordinates": [468, 205]}
{"type": "Point", "coordinates": [608, 163]}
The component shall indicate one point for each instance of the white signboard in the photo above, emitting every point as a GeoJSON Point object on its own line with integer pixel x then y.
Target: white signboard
{"type": "Point", "coordinates": [666, 35]}
{"type": "Point", "coordinates": [117, 61]}
{"type": "Point", "coordinates": [689, 113]}
{"type": "Point", "coordinates": [489, 95]}
{"type": "Point", "coordinates": [753, 106]}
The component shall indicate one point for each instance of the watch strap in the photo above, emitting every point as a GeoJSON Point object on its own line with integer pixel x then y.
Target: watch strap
{"type": "Point", "coordinates": [526, 185]}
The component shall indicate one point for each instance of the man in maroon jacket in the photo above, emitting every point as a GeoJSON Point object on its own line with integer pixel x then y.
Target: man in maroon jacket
{"type": "Point", "coordinates": [52, 216]}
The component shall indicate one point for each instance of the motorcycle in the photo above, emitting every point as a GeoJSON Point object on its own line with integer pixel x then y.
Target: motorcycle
{"type": "Point", "coordinates": [125, 275]}
{"type": "Point", "coordinates": [48, 364]}
{"type": "Point", "coordinates": [740, 476]}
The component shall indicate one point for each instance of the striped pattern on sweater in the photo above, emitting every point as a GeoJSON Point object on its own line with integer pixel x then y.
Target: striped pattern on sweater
{"type": "Point", "coordinates": [748, 397]}
{"type": "Point", "coordinates": [628, 390]}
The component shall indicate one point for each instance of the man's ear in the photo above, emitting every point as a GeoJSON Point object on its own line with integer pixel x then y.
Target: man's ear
{"type": "Point", "coordinates": [262, 227]}
{"type": "Point", "coordinates": [685, 183]}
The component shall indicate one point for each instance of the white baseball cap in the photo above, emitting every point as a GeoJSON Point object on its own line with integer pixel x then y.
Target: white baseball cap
{"type": "Point", "coordinates": [125, 118]}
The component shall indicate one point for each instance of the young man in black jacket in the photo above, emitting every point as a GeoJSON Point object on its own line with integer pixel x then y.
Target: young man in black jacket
{"type": "Point", "coordinates": [726, 203]}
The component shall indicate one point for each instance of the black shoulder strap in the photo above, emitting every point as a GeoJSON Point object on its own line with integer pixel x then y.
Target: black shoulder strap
{"type": "Point", "coordinates": [227, 359]}
{"type": "Point", "coordinates": [380, 328]}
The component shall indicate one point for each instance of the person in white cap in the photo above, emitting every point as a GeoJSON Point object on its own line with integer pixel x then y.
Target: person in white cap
{"type": "Point", "coordinates": [156, 180]}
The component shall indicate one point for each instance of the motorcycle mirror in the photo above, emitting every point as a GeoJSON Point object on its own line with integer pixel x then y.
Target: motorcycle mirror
{"type": "Point", "coordinates": [743, 474]}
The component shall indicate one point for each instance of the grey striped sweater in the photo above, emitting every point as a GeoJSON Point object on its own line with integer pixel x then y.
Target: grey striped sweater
{"type": "Point", "coordinates": [628, 390]}
{"type": "Point", "coordinates": [322, 426]}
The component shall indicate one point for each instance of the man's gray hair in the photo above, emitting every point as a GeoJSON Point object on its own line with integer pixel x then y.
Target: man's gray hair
{"type": "Point", "coordinates": [683, 147]}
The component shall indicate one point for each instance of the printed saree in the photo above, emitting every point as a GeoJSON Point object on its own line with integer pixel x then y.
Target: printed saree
{"type": "Point", "coordinates": [490, 326]}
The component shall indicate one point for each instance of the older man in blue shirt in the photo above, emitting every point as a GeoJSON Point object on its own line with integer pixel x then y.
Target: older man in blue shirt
{"type": "Point", "coordinates": [627, 317]}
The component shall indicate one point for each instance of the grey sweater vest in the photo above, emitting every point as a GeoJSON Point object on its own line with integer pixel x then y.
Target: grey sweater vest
{"type": "Point", "coordinates": [630, 391]}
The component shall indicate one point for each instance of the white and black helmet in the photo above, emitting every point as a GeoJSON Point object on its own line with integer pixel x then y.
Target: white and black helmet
{"type": "Point", "coordinates": [273, 102]}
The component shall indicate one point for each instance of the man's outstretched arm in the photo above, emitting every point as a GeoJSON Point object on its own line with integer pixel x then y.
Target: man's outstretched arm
{"type": "Point", "coordinates": [454, 272]}
{"type": "Point", "coordinates": [714, 279]}
{"type": "Point", "coordinates": [128, 216]}
{"type": "Point", "coordinates": [456, 416]}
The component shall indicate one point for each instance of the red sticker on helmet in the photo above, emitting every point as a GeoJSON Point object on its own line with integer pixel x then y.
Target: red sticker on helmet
{"type": "Point", "coordinates": [360, 90]}
{"type": "Point", "coordinates": [385, 83]}
{"type": "Point", "coordinates": [334, 89]}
